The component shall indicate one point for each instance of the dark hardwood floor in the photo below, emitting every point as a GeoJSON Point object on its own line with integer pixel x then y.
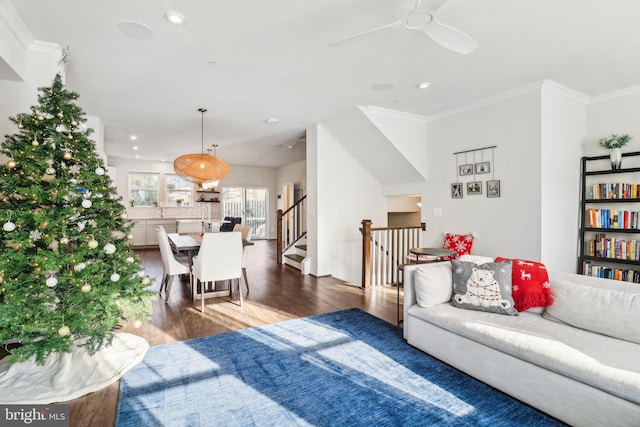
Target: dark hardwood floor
{"type": "Point", "coordinates": [276, 293]}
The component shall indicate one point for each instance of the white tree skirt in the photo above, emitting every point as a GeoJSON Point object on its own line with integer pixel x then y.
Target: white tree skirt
{"type": "Point", "coordinates": [66, 376]}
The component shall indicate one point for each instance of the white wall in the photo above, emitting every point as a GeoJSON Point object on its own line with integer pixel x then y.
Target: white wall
{"type": "Point", "coordinates": [507, 226]}
{"type": "Point", "coordinates": [295, 172]}
{"type": "Point", "coordinates": [617, 113]}
{"type": "Point", "coordinates": [407, 132]}
{"type": "Point", "coordinates": [341, 194]}
{"type": "Point", "coordinates": [563, 131]}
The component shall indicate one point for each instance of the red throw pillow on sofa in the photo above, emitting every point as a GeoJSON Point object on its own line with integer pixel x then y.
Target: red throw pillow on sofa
{"type": "Point", "coordinates": [461, 243]}
{"type": "Point", "coordinates": [530, 284]}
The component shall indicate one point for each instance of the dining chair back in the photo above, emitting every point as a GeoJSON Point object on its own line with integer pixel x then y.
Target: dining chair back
{"type": "Point", "coordinates": [247, 234]}
{"type": "Point", "coordinates": [185, 226]}
{"type": "Point", "coordinates": [171, 267]}
{"type": "Point", "coordinates": [219, 258]}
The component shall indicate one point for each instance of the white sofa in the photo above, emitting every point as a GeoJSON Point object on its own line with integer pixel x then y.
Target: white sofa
{"type": "Point", "coordinates": [581, 377]}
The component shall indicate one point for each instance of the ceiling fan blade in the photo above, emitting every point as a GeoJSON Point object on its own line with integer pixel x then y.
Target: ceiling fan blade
{"type": "Point", "coordinates": [450, 37]}
{"type": "Point", "coordinates": [355, 36]}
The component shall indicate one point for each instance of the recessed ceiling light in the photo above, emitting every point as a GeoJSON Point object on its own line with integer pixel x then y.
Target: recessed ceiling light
{"type": "Point", "coordinates": [382, 87]}
{"type": "Point", "coordinates": [162, 160]}
{"type": "Point", "coordinates": [272, 121]}
{"type": "Point", "coordinates": [175, 17]}
{"type": "Point", "coordinates": [134, 29]}
{"type": "Point", "coordinates": [137, 156]}
{"type": "Point", "coordinates": [135, 148]}
{"type": "Point", "coordinates": [133, 137]}
{"type": "Point", "coordinates": [424, 85]}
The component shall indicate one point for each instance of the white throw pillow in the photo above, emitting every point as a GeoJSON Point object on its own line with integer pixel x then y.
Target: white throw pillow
{"type": "Point", "coordinates": [476, 259]}
{"type": "Point", "coordinates": [433, 285]}
{"type": "Point", "coordinates": [605, 311]}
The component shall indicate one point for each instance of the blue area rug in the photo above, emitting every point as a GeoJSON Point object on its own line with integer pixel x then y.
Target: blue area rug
{"type": "Point", "coordinates": [346, 368]}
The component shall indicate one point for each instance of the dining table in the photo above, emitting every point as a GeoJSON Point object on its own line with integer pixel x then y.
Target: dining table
{"type": "Point", "coordinates": [190, 243]}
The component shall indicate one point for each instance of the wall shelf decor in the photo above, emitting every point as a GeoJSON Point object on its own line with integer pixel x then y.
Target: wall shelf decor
{"type": "Point", "coordinates": [470, 163]}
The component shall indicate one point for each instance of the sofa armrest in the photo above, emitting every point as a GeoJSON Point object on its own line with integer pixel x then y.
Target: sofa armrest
{"type": "Point", "coordinates": [408, 283]}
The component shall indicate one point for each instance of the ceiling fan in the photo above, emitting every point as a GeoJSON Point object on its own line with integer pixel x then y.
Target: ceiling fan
{"type": "Point", "coordinates": [422, 17]}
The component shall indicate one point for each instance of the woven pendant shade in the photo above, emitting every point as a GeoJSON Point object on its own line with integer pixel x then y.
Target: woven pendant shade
{"type": "Point", "coordinates": [199, 168]}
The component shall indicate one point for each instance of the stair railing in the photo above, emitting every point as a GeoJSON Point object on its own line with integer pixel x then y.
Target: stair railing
{"type": "Point", "coordinates": [291, 226]}
{"type": "Point", "coordinates": [384, 249]}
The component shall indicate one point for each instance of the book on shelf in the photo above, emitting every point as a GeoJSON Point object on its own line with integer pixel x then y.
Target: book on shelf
{"type": "Point", "coordinates": [626, 275]}
{"type": "Point", "coordinates": [612, 218]}
{"type": "Point", "coordinates": [613, 248]}
{"type": "Point", "coordinates": [614, 190]}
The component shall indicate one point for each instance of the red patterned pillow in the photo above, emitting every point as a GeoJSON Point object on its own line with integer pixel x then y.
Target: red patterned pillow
{"type": "Point", "coordinates": [530, 282]}
{"type": "Point", "coordinates": [461, 243]}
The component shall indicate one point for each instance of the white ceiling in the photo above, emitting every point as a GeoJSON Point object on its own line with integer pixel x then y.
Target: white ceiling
{"type": "Point", "coordinates": [272, 59]}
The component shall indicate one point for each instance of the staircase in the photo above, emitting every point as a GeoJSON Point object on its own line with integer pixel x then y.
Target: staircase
{"type": "Point", "coordinates": [296, 255]}
{"type": "Point", "coordinates": [292, 237]}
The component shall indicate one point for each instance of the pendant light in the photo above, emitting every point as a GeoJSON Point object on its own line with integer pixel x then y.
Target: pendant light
{"type": "Point", "coordinates": [198, 168]}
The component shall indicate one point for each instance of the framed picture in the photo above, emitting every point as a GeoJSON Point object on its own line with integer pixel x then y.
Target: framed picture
{"type": "Point", "coordinates": [474, 187]}
{"type": "Point", "coordinates": [483, 167]}
{"type": "Point", "coordinates": [456, 190]}
{"type": "Point", "coordinates": [493, 188]}
{"type": "Point", "coordinates": [465, 170]}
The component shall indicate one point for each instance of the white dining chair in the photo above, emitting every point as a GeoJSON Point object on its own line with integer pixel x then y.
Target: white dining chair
{"type": "Point", "coordinates": [247, 235]}
{"type": "Point", "coordinates": [219, 258]}
{"type": "Point", "coordinates": [171, 266]}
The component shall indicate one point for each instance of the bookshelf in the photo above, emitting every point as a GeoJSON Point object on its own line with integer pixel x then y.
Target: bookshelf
{"type": "Point", "coordinates": [610, 218]}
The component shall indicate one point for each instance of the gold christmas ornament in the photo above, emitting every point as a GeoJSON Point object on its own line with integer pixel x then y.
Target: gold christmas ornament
{"type": "Point", "coordinates": [86, 288]}
{"type": "Point", "coordinates": [12, 164]}
{"type": "Point", "coordinates": [64, 331]}
{"type": "Point", "coordinates": [67, 155]}
{"type": "Point", "coordinates": [145, 280]}
{"type": "Point", "coordinates": [35, 143]}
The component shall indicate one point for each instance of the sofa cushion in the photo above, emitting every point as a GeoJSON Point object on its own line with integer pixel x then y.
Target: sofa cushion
{"type": "Point", "coordinates": [600, 361]}
{"type": "Point", "coordinates": [530, 282]}
{"type": "Point", "coordinates": [483, 287]}
{"type": "Point", "coordinates": [433, 285]}
{"type": "Point", "coordinates": [606, 311]}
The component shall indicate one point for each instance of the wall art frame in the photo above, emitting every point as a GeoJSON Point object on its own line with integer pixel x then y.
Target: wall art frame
{"type": "Point", "coordinates": [456, 190]}
{"type": "Point", "coordinates": [482, 167]}
{"type": "Point", "coordinates": [474, 187]}
{"type": "Point", "coordinates": [493, 188]}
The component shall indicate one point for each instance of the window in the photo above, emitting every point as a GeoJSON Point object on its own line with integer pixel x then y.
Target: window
{"type": "Point", "coordinates": [143, 189]}
{"type": "Point", "coordinates": [178, 191]}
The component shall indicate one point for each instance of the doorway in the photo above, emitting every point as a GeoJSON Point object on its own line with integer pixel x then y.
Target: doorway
{"type": "Point", "coordinates": [250, 204]}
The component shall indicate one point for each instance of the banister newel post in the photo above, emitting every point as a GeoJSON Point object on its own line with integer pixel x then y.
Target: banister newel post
{"type": "Point", "coordinates": [366, 253]}
{"type": "Point", "coordinates": [279, 236]}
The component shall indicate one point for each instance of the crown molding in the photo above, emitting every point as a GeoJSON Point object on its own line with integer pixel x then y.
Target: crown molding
{"type": "Point", "coordinates": [395, 113]}
{"type": "Point", "coordinates": [565, 91]}
{"type": "Point", "coordinates": [633, 90]}
{"type": "Point", "coordinates": [488, 100]}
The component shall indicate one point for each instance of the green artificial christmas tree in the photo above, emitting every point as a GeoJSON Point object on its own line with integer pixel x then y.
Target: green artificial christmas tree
{"type": "Point", "coordinates": [68, 275]}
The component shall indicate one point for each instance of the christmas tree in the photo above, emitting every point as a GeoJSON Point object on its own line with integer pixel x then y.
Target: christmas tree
{"type": "Point", "coordinates": [68, 275]}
